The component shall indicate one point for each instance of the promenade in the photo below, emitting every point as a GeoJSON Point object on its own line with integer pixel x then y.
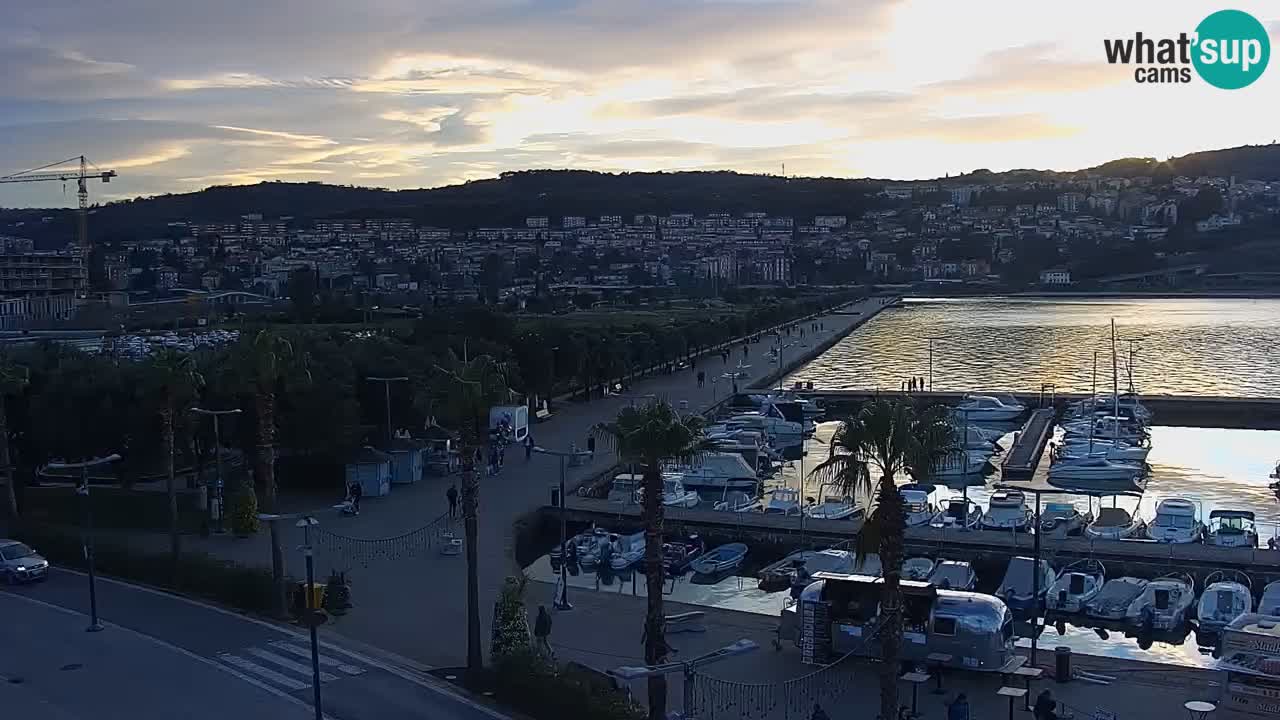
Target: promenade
{"type": "Point", "coordinates": [411, 600]}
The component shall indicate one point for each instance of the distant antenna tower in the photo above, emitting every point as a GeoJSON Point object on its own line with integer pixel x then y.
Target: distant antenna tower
{"type": "Point", "coordinates": [784, 169]}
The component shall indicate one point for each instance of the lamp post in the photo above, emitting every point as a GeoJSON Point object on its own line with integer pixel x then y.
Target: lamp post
{"type": "Point", "coordinates": [218, 506]}
{"type": "Point", "coordinates": [313, 616]}
{"type": "Point", "coordinates": [386, 387]}
{"type": "Point", "coordinates": [632, 672]}
{"type": "Point", "coordinates": [931, 361]}
{"type": "Point", "coordinates": [83, 491]}
{"type": "Point", "coordinates": [562, 599]}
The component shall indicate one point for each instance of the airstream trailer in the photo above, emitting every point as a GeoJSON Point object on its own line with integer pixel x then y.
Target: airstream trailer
{"type": "Point", "coordinates": [839, 613]}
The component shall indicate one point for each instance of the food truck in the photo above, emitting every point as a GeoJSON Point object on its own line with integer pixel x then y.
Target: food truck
{"type": "Point", "coordinates": [1250, 656]}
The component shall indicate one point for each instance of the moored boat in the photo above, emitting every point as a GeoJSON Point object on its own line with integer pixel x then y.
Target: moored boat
{"type": "Point", "coordinates": [1018, 589]}
{"type": "Point", "coordinates": [1007, 510]}
{"type": "Point", "coordinates": [1163, 604]}
{"type": "Point", "coordinates": [722, 559]}
{"type": "Point", "coordinates": [953, 575]}
{"type": "Point", "coordinates": [1232, 528]}
{"type": "Point", "coordinates": [919, 510]}
{"type": "Point", "coordinates": [1113, 523]}
{"type": "Point", "coordinates": [1227, 595]}
{"type": "Point", "coordinates": [961, 512]}
{"type": "Point", "coordinates": [1176, 521]}
{"type": "Point", "coordinates": [917, 568]}
{"type": "Point", "coordinates": [1077, 584]}
{"type": "Point", "coordinates": [1113, 601]}
{"type": "Point", "coordinates": [833, 507]}
{"type": "Point", "coordinates": [1062, 519]}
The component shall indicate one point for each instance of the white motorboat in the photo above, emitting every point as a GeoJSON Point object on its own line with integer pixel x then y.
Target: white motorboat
{"type": "Point", "coordinates": [588, 547]}
{"type": "Point", "coordinates": [627, 550]}
{"type": "Point", "coordinates": [985, 408]}
{"type": "Point", "coordinates": [736, 501]}
{"type": "Point", "coordinates": [1225, 598]}
{"type": "Point", "coordinates": [1270, 602]}
{"type": "Point", "coordinates": [919, 510]}
{"type": "Point", "coordinates": [717, 470]}
{"type": "Point", "coordinates": [1093, 469]}
{"type": "Point", "coordinates": [1075, 452]}
{"type": "Point", "coordinates": [752, 445]}
{"type": "Point", "coordinates": [961, 512]}
{"type": "Point", "coordinates": [1163, 604]}
{"type": "Point", "coordinates": [801, 564]}
{"type": "Point", "coordinates": [1061, 519]}
{"type": "Point", "coordinates": [975, 438]}
{"type": "Point", "coordinates": [1108, 428]}
{"type": "Point", "coordinates": [1113, 523]}
{"type": "Point", "coordinates": [1007, 510]}
{"type": "Point", "coordinates": [1232, 528]}
{"type": "Point", "coordinates": [782, 501]}
{"type": "Point", "coordinates": [962, 463]}
{"type": "Point", "coordinates": [1176, 522]}
{"type": "Point", "coordinates": [953, 575]}
{"type": "Point", "coordinates": [1077, 584]}
{"type": "Point", "coordinates": [674, 493]}
{"type": "Point", "coordinates": [1018, 589]}
{"type": "Point", "coordinates": [1113, 601]}
{"type": "Point", "coordinates": [917, 568]}
{"type": "Point", "coordinates": [833, 507]}
{"type": "Point", "coordinates": [772, 422]}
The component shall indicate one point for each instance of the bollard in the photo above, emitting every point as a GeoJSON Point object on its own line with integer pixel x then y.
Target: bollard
{"type": "Point", "coordinates": [1062, 663]}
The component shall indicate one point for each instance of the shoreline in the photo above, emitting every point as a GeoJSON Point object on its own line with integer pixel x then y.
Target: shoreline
{"type": "Point", "coordinates": [1119, 295]}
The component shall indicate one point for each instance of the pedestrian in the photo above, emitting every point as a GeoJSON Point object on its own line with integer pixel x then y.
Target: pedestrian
{"type": "Point", "coordinates": [701, 378]}
{"type": "Point", "coordinates": [452, 495]}
{"type": "Point", "coordinates": [958, 709]}
{"type": "Point", "coordinates": [542, 633]}
{"type": "Point", "coordinates": [735, 387]}
{"type": "Point", "coordinates": [1045, 707]}
{"type": "Point", "coordinates": [528, 447]}
{"type": "Point", "coordinates": [356, 493]}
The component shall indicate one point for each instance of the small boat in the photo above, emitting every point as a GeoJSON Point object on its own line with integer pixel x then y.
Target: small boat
{"type": "Point", "coordinates": [798, 566]}
{"type": "Point", "coordinates": [1007, 510]}
{"type": "Point", "coordinates": [1076, 449]}
{"type": "Point", "coordinates": [723, 559]}
{"type": "Point", "coordinates": [1077, 584]}
{"type": "Point", "coordinates": [676, 556]}
{"type": "Point", "coordinates": [1093, 469]}
{"type": "Point", "coordinates": [919, 510]}
{"type": "Point", "coordinates": [1232, 528]}
{"type": "Point", "coordinates": [961, 512]}
{"type": "Point", "coordinates": [1113, 523]}
{"type": "Point", "coordinates": [717, 470]}
{"type": "Point", "coordinates": [1227, 595]}
{"type": "Point", "coordinates": [1176, 522]}
{"type": "Point", "coordinates": [953, 575]}
{"type": "Point", "coordinates": [782, 501]}
{"type": "Point", "coordinates": [736, 501]}
{"type": "Point", "coordinates": [1163, 604]}
{"type": "Point", "coordinates": [586, 547]}
{"type": "Point", "coordinates": [1019, 584]}
{"type": "Point", "coordinates": [833, 507]}
{"type": "Point", "coordinates": [917, 568]}
{"type": "Point", "coordinates": [1061, 519]}
{"type": "Point", "coordinates": [1113, 601]}
{"type": "Point", "coordinates": [1270, 602]}
{"type": "Point", "coordinates": [627, 550]}
{"type": "Point", "coordinates": [674, 493]}
{"type": "Point", "coordinates": [962, 463]}
{"type": "Point", "coordinates": [985, 408]}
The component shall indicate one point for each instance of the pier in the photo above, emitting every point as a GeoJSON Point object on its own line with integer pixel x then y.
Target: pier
{"type": "Point", "coordinates": [1028, 447]}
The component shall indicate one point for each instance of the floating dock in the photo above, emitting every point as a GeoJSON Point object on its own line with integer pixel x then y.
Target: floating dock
{"type": "Point", "coordinates": [1022, 459]}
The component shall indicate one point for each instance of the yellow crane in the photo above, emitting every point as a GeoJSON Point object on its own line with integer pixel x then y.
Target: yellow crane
{"type": "Point", "coordinates": [81, 174]}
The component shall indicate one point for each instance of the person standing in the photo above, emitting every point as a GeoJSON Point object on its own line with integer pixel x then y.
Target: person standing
{"type": "Point", "coordinates": [452, 495]}
{"type": "Point", "coordinates": [701, 378]}
{"type": "Point", "coordinates": [542, 633]}
{"type": "Point", "coordinates": [356, 493]}
{"type": "Point", "coordinates": [1045, 707]}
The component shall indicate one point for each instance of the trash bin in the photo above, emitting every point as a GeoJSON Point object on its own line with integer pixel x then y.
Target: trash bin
{"type": "Point", "coordinates": [1062, 663]}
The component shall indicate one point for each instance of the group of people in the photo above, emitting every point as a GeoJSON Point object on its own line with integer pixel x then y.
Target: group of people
{"type": "Point", "coordinates": [913, 384]}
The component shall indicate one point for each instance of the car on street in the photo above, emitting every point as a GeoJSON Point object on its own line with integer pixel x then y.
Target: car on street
{"type": "Point", "coordinates": [20, 564]}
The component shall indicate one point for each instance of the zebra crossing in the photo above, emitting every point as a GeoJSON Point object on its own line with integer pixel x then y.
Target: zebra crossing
{"type": "Point", "coordinates": [286, 664]}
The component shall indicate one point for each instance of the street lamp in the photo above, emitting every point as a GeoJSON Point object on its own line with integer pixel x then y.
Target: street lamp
{"type": "Point", "coordinates": [306, 522]}
{"type": "Point", "coordinates": [83, 491]}
{"type": "Point", "coordinates": [386, 386]}
{"type": "Point", "coordinates": [931, 361]}
{"type": "Point", "coordinates": [562, 598]}
{"type": "Point", "coordinates": [219, 506]}
{"type": "Point", "coordinates": [634, 672]}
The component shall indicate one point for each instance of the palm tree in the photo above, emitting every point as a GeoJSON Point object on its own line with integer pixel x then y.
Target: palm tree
{"type": "Point", "coordinates": [13, 378]}
{"type": "Point", "coordinates": [887, 438]}
{"type": "Point", "coordinates": [267, 361]}
{"type": "Point", "coordinates": [647, 435]}
{"type": "Point", "coordinates": [467, 389]}
{"type": "Point", "coordinates": [172, 381]}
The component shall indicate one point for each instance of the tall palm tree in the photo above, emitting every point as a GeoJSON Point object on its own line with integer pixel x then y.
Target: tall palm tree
{"type": "Point", "coordinates": [886, 439]}
{"type": "Point", "coordinates": [268, 361]}
{"type": "Point", "coordinates": [647, 435]}
{"type": "Point", "coordinates": [467, 389]}
{"type": "Point", "coordinates": [172, 381]}
{"type": "Point", "coordinates": [13, 378]}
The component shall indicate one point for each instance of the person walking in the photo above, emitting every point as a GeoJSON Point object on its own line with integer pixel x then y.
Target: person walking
{"type": "Point", "coordinates": [356, 493]}
{"type": "Point", "coordinates": [452, 495]}
{"type": "Point", "coordinates": [528, 447]}
{"type": "Point", "coordinates": [1046, 707]}
{"type": "Point", "coordinates": [958, 709]}
{"type": "Point", "coordinates": [702, 377]}
{"type": "Point", "coordinates": [542, 634]}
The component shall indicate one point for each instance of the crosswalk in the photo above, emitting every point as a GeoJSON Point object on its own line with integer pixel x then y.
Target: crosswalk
{"type": "Point", "coordinates": [286, 664]}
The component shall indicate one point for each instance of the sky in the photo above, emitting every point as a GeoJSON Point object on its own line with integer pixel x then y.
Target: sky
{"type": "Point", "coordinates": [177, 96]}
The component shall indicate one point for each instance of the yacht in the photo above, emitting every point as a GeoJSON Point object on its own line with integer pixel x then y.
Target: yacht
{"type": "Point", "coordinates": [1062, 519]}
{"type": "Point", "coordinates": [961, 512]}
{"type": "Point", "coordinates": [1225, 598]}
{"type": "Point", "coordinates": [1076, 451]}
{"type": "Point", "coordinates": [1232, 528]}
{"type": "Point", "coordinates": [1093, 469]}
{"type": "Point", "coordinates": [833, 507]}
{"type": "Point", "coordinates": [1176, 522]}
{"type": "Point", "coordinates": [1113, 523]}
{"type": "Point", "coordinates": [771, 421]}
{"type": "Point", "coordinates": [717, 470]}
{"type": "Point", "coordinates": [752, 445]}
{"type": "Point", "coordinates": [953, 575]}
{"type": "Point", "coordinates": [961, 463]}
{"type": "Point", "coordinates": [985, 408]}
{"type": "Point", "coordinates": [1077, 584]}
{"type": "Point", "coordinates": [919, 510]}
{"type": "Point", "coordinates": [1163, 604]}
{"type": "Point", "coordinates": [1007, 510]}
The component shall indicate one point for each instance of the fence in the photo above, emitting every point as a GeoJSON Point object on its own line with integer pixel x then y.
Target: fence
{"type": "Point", "coordinates": [399, 547]}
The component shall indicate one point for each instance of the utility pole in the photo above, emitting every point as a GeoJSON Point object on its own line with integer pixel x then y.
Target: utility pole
{"type": "Point", "coordinates": [931, 361]}
{"type": "Point", "coordinates": [218, 506]}
{"type": "Point", "coordinates": [83, 491]}
{"type": "Point", "coordinates": [313, 613]}
{"type": "Point", "coordinates": [562, 599]}
{"type": "Point", "coordinates": [386, 386]}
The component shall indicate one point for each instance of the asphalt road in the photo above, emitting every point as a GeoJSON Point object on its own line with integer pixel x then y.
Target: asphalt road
{"type": "Point", "coordinates": [162, 656]}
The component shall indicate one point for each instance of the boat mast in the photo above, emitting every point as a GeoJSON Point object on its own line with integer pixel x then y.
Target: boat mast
{"type": "Point", "coordinates": [1115, 384]}
{"type": "Point", "coordinates": [1093, 403]}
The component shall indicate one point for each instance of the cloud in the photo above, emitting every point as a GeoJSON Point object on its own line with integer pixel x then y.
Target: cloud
{"type": "Point", "coordinates": [36, 72]}
{"type": "Point", "coordinates": [970, 129]}
{"type": "Point", "coordinates": [291, 139]}
{"type": "Point", "coordinates": [1030, 69]}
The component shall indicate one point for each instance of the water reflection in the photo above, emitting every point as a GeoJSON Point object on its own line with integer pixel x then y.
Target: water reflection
{"type": "Point", "coordinates": [1185, 346]}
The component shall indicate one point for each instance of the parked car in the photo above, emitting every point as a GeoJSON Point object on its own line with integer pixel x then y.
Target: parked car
{"type": "Point", "coordinates": [20, 564]}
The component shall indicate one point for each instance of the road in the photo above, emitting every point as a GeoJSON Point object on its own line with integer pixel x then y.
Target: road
{"type": "Point", "coordinates": [162, 656]}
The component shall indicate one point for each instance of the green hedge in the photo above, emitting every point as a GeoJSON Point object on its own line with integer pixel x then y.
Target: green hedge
{"type": "Point", "coordinates": [542, 691]}
{"type": "Point", "coordinates": [199, 574]}
{"type": "Point", "coordinates": [113, 507]}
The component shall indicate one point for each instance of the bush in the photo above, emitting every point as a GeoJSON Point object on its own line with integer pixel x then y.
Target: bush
{"type": "Point", "coordinates": [244, 513]}
{"type": "Point", "coordinates": [542, 691]}
{"type": "Point", "coordinates": [510, 620]}
{"type": "Point", "coordinates": [113, 507]}
{"type": "Point", "coordinates": [200, 574]}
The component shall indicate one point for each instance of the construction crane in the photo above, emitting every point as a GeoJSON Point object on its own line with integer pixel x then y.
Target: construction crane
{"type": "Point", "coordinates": [81, 175]}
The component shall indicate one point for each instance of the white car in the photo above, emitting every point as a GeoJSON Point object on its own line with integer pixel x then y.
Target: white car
{"type": "Point", "coordinates": [20, 564]}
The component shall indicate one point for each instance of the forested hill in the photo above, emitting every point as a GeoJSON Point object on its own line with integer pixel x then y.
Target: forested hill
{"type": "Point", "coordinates": [507, 200]}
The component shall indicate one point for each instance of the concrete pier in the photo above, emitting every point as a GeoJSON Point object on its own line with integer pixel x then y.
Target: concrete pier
{"type": "Point", "coordinates": [1022, 459]}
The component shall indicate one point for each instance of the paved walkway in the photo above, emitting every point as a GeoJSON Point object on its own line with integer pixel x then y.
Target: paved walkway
{"type": "Point", "coordinates": [416, 606]}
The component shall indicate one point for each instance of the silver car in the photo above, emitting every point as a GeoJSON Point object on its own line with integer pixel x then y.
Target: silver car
{"type": "Point", "coordinates": [20, 564]}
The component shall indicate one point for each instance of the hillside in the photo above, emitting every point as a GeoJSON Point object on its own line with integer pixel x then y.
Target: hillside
{"type": "Point", "coordinates": [508, 199]}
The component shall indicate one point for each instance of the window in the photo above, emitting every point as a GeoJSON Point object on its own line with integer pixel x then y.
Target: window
{"type": "Point", "coordinates": [944, 626]}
